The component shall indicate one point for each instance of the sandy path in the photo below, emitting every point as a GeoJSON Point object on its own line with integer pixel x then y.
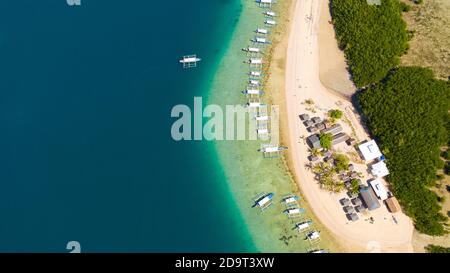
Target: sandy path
{"type": "Point", "coordinates": [302, 82]}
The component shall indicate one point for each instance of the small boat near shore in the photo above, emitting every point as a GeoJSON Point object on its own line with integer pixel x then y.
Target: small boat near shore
{"type": "Point", "coordinates": [251, 50]}
{"type": "Point", "coordinates": [262, 31]}
{"type": "Point", "coordinates": [313, 235]}
{"type": "Point", "coordinates": [290, 199]}
{"type": "Point", "coordinates": [270, 22]}
{"type": "Point", "coordinates": [270, 13]}
{"type": "Point", "coordinates": [253, 92]}
{"type": "Point", "coordinates": [255, 74]}
{"type": "Point", "coordinates": [190, 61]}
{"type": "Point", "coordinates": [260, 40]}
{"type": "Point", "coordinates": [264, 201]}
{"type": "Point", "coordinates": [304, 226]}
{"type": "Point", "coordinates": [294, 212]}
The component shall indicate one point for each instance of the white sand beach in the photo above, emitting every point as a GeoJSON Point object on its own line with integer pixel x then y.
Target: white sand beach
{"type": "Point", "coordinates": [303, 82]}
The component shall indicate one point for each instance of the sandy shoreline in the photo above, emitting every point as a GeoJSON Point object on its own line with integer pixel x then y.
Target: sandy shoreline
{"type": "Point", "coordinates": [304, 80]}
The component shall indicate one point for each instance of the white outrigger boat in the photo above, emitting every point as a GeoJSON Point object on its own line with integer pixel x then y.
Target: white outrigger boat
{"type": "Point", "coordinates": [265, 3]}
{"type": "Point", "coordinates": [255, 73]}
{"type": "Point", "coordinates": [319, 251]}
{"type": "Point", "coordinates": [255, 104]}
{"type": "Point", "coordinates": [270, 151]}
{"type": "Point", "coordinates": [261, 40]}
{"type": "Point", "coordinates": [252, 92]}
{"type": "Point", "coordinates": [262, 132]}
{"type": "Point", "coordinates": [190, 61]}
{"type": "Point", "coordinates": [254, 82]}
{"type": "Point", "coordinates": [264, 201]}
{"type": "Point", "coordinates": [262, 31]}
{"type": "Point", "coordinates": [270, 13]}
{"type": "Point", "coordinates": [262, 118]}
{"type": "Point", "coordinates": [304, 226]}
{"type": "Point", "coordinates": [294, 212]}
{"type": "Point", "coordinates": [290, 199]}
{"type": "Point", "coordinates": [271, 22]}
{"type": "Point", "coordinates": [313, 235]}
{"type": "Point", "coordinates": [255, 61]}
{"type": "Point", "coordinates": [252, 50]}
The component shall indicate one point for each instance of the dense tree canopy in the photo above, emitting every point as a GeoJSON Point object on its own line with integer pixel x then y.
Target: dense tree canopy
{"type": "Point", "coordinates": [437, 249]}
{"type": "Point", "coordinates": [408, 114]}
{"type": "Point", "coordinates": [372, 37]}
{"type": "Point", "coordinates": [326, 141]}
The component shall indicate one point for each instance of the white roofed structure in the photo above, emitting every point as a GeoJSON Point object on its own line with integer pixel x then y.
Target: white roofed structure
{"type": "Point", "coordinates": [370, 150]}
{"type": "Point", "coordinates": [379, 189]}
{"type": "Point", "coordinates": [380, 169]}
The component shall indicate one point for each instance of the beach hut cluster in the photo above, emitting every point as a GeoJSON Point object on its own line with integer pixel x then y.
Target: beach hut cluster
{"type": "Point", "coordinates": [372, 192]}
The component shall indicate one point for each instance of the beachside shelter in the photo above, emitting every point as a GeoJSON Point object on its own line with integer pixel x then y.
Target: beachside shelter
{"type": "Point", "coordinates": [353, 217]}
{"type": "Point", "coordinates": [304, 117]}
{"type": "Point", "coordinates": [349, 209]}
{"type": "Point", "coordinates": [357, 202]}
{"type": "Point", "coordinates": [345, 201]}
{"type": "Point", "coordinates": [370, 150]}
{"type": "Point", "coordinates": [392, 204]}
{"type": "Point", "coordinates": [380, 169]}
{"type": "Point", "coordinates": [360, 208]}
{"type": "Point", "coordinates": [379, 189]}
{"type": "Point", "coordinates": [314, 141]}
{"type": "Point", "coordinates": [369, 198]}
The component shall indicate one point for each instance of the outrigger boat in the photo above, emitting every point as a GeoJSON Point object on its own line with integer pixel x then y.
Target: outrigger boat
{"type": "Point", "coordinates": [291, 199]}
{"type": "Point", "coordinates": [255, 73]}
{"type": "Point", "coordinates": [190, 61]}
{"type": "Point", "coordinates": [261, 40]}
{"type": "Point", "coordinates": [270, 13]}
{"type": "Point", "coordinates": [255, 104]}
{"type": "Point", "coordinates": [294, 212]}
{"type": "Point", "coordinates": [254, 82]}
{"type": "Point", "coordinates": [252, 92]}
{"type": "Point", "coordinates": [252, 50]}
{"type": "Point", "coordinates": [319, 251]}
{"type": "Point", "coordinates": [313, 235]}
{"type": "Point", "coordinates": [262, 118]}
{"type": "Point", "coordinates": [303, 226]}
{"type": "Point", "coordinates": [270, 22]}
{"type": "Point", "coordinates": [262, 31]}
{"type": "Point", "coordinates": [264, 201]}
{"type": "Point", "coordinates": [255, 61]}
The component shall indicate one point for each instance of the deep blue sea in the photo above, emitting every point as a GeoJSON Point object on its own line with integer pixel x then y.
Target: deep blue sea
{"type": "Point", "coordinates": [85, 147]}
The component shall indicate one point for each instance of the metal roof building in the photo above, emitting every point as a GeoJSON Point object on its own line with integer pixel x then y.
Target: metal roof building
{"type": "Point", "coordinates": [369, 198]}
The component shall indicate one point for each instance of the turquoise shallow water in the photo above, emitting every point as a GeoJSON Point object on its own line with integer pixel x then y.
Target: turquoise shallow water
{"type": "Point", "coordinates": [85, 146]}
